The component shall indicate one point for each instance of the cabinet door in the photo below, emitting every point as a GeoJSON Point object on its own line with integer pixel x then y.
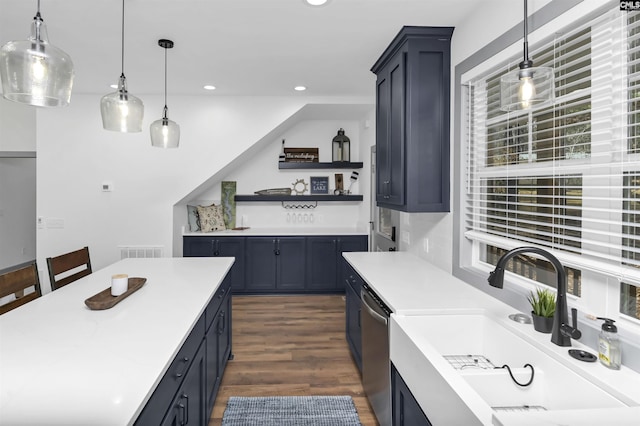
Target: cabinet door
{"type": "Point", "coordinates": [233, 247]}
{"type": "Point", "coordinates": [390, 137]}
{"type": "Point", "coordinates": [188, 406]}
{"type": "Point", "coordinates": [405, 408]}
{"type": "Point", "coordinates": [260, 266]}
{"type": "Point", "coordinates": [291, 257]}
{"type": "Point", "coordinates": [224, 338]}
{"type": "Point", "coordinates": [322, 269]}
{"type": "Point", "coordinates": [353, 330]}
{"type": "Point", "coordinates": [346, 244]}
{"type": "Point", "coordinates": [198, 246]}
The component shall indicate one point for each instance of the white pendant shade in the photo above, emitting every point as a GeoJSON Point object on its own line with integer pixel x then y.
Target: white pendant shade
{"type": "Point", "coordinates": [35, 72]}
{"type": "Point", "coordinates": [526, 89]}
{"type": "Point", "coordinates": [165, 133]}
{"type": "Point", "coordinates": [121, 111]}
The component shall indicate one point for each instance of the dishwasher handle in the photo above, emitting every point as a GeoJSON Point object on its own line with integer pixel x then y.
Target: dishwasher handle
{"type": "Point", "coordinates": [370, 308]}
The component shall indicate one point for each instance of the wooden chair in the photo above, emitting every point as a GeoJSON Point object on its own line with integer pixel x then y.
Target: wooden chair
{"type": "Point", "coordinates": [66, 262]}
{"type": "Point", "coordinates": [16, 280]}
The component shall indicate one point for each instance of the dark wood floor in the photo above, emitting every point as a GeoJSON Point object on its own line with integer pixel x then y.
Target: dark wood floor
{"type": "Point", "coordinates": [290, 345]}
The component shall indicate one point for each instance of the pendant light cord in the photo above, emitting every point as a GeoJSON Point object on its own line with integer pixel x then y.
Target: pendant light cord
{"type": "Point", "coordinates": [526, 32]}
{"type": "Point", "coordinates": [165, 80]}
{"type": "Point", "coordinates": [122, 49]}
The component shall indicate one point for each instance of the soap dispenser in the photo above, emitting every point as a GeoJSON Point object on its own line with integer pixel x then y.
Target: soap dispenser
{"type": "Point", "coordinates": [609, 351]}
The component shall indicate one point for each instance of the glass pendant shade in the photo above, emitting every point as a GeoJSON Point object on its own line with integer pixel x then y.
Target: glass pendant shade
{"type": "Point", "coordinates": [526, 88]}
{"type": "Point", "coordinates": [35, 72]}
{"type": "Point", "coordinates": [121, 111]}
{"type": "Point", "coordinates": [165, 133]}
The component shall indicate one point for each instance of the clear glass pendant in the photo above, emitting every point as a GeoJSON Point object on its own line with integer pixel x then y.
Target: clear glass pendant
{"type": "Point", "coordinates": [121, 111]}
{"type": "Point", "coordinates": [165, 133]}
{"type": "Point", "coordinates": [35, 72]}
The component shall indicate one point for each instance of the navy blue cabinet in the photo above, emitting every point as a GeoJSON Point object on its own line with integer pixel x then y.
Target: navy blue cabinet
{"type": "Point", "coordinates": [322, 268]}
{"type": "Point", "coordinates": [353, 285]}
{"type": "Point", "coordinates": [412, 120]}
{"type": "Point", "coordinates": [281, 264]}
{"type": "Point", "coordinates": [210, 246]}
{"type": "Point", "coordinates": [187, 391]}
{"type": "Point", "coordinates": [275, 264]}
{"type": "Point", "coordinates": [325, 264]}
{"type": "Point", "coordinates": [405, 408]}
{"type": "Point", "coordinates": [188, 405]}
{"type": "Point", "coordinates": [218, 340]}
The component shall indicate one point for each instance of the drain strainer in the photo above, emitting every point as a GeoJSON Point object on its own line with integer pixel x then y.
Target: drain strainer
{"type": "Point", "coordinates": [460, 362]}
{"type": "Point", "coordinates": [520, 408]}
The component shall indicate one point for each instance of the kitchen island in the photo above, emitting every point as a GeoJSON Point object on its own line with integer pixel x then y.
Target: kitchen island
{"type": "Point", "coordinates": [62, 363]}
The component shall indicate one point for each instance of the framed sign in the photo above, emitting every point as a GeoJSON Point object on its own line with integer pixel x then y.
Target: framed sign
{"type": "Point", "coordinates": [301, 155]}
{"type": "Point", "coordinates": [319, 184]}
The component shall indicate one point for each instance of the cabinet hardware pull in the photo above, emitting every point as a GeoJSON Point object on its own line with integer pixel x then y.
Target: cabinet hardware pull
{"type": "Point", "coordinates": [185, 360]}
{"type": "Point", "coordinates": [186, 411]}
{"type": "Point", "coordinates": [181, 406]}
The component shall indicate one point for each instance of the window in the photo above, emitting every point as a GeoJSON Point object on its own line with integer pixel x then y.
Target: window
{"type": "Point", "coordinates": [564, 177]}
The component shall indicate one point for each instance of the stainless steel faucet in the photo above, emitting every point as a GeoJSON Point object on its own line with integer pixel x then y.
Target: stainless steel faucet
{"type": "Point", "coordinates": [562, 332]}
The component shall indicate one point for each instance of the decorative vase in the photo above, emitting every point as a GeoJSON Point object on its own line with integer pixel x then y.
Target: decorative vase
{"type": "Point", "coordinates": [542, 324]}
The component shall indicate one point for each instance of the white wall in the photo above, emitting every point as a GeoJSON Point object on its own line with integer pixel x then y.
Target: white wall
{"type": "Point", "coordinates": [261, 172]}
{"type": "Point", "coordinates": [76, 156]}
{"type": "Point", "coordinates": [495, 18]}
{"type": "Point", "coordinates": [17, 126]}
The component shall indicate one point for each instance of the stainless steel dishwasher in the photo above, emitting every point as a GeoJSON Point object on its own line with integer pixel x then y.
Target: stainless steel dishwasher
{"type": "Point", "coordinates": [376, 373]}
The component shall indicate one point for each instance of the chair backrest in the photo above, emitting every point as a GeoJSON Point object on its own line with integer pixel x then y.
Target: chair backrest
{"type": "Point", "coordinates": [15, 281]}
{"type": "Point", "coordinates": [66, 262]}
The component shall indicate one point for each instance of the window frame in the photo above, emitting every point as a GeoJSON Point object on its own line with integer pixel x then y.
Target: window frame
{"type": "Point", "coordinates": [466, 264]}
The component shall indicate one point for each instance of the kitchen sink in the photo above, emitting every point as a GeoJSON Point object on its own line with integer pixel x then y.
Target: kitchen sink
{"type": "Point", "coordinates": [462, 356]}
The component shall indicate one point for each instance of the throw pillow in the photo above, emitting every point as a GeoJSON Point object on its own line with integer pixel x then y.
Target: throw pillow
{"type": "Point", "coordinates": [211, 218]}
{"type": "Point", "coordinates": [194, 218]}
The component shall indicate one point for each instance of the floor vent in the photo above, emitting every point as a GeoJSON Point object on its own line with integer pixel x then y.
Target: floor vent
{"type": "Point", "coordinates": [140, 251]}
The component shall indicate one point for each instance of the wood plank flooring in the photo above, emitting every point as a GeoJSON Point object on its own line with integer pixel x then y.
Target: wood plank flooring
{"type": "Point", "coordinates": [290, 345]}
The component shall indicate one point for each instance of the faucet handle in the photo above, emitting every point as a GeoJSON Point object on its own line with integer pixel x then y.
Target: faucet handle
{"type": "Point", "coordinates": [572, 330]}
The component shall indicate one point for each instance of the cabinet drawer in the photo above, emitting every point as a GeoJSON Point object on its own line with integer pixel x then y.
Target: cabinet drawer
{"type": "Point", "coordinates": [160, 401]}
{"type": "Point", "coordinates": [216, 301]}
{"type": "Point", "coordinates": [353, 279]}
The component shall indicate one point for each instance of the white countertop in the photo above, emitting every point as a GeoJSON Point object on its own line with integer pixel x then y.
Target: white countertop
{"type": "Point", "coordinates": [62, 363]}
{"type": "Point", "coordinates": [293, 230]}
{"type": "Point", "coordinates": [411, 286]}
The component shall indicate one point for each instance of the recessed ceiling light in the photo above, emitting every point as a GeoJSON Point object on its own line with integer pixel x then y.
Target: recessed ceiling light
{"type": "Point", "coordinates": [113, 86]}
{"type": "Point", "coordinates": [316, 2]}
{"type": "Point", "coordinates": [209, 87]}
{"type": "Point", "coordinates": [300, 88]}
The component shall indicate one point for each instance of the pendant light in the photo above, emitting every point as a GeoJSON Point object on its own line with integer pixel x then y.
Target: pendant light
{"type": "Point", "coordinates": [35, 72]}
{"type": "Point", "coordinates": [121, 111]}
{"type": "Point", "coordinates": [164, 132]}
{"type": "Point", "coordinates": [528, 86]}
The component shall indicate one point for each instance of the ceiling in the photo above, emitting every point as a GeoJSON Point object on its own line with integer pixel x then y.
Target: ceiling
{"type": "Point", "coordinates": [243, 47]}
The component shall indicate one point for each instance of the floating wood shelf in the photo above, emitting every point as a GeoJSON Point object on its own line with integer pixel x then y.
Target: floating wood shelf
{"type": "Point", "coordinates": [296, 198]}
{"type": "Point", "coordinates": [337, 165]}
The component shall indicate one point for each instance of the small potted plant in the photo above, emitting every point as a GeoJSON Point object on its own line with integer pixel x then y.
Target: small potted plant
{"type": "Point", "coordinates": [543, 305]}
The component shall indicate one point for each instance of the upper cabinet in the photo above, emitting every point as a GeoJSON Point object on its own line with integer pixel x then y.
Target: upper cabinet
{"type": "Point", "coordinates": [412, 120]}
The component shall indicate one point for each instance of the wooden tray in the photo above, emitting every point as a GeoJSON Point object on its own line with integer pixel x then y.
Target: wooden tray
{"type": "Point", "coordinates": [104, 299]}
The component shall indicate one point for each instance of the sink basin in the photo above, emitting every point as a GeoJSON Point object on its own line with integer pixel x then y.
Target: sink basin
{"type": "Point", "coordinates": [458, 353]}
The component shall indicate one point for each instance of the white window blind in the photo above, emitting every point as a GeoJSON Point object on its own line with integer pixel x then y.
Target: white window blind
{"type": "Point", "coordinates": [565, 177]}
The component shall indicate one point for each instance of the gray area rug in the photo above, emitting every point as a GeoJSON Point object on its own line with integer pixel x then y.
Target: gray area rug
{"type": "Point", "coordinates": [291, 411]}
